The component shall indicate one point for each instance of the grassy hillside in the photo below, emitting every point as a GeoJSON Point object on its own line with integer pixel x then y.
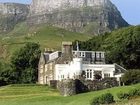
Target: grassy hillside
{"type": "Point", "coordinates": [43, 95]}
{"type": "Point", "coordinates": [46, 36]}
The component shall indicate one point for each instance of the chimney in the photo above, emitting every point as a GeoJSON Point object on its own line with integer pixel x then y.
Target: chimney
{"type": "Point", "coordinates": [46, 50]}
{"type": "Point", "coordinates": [67, 48]}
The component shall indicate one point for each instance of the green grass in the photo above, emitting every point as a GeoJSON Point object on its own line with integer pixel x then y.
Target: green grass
{"type": "Point", "coordinates": [43, 95]}
{"type": "Point", "coordinates": [46, 36]}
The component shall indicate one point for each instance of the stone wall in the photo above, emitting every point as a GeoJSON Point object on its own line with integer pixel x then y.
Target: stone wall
{"type": "Point", "coordinates": [72, 87]}
{"type": "Point", "coordinates": [67, 87]}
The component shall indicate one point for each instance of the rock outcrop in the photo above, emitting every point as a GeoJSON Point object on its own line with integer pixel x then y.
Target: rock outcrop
{"type": "Point", "coordinates": [11, 14]}
{"type": "Point", "coordinates": [85, 16]}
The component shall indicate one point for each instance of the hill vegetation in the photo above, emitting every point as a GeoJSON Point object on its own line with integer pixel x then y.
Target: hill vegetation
{"type": "Point", "coordinates": [121, 46]}
{"type": "Point", "coordinates": [44, 95]}
{"type": "Point", "coordinates": [46, 36]}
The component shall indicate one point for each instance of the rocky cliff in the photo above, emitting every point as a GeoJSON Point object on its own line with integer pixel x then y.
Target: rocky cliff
{"type": "Point", "coordinates": [85, 16]}
{"type": "Point", "coordinates": [11, 14]}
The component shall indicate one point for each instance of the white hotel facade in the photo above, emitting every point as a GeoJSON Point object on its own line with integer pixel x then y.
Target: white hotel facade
{"type": "Point", "coordinates": [69, 64]}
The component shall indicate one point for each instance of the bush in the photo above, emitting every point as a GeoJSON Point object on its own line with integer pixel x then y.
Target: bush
{"type": "Point", "coordinates": [131, 77]}
{"type": "Point", "coordinates": [103, 99]}
{"type": "Point", "coordinates": [95, 101]}
{"type": "Point", "coordinates": [122, 95]}
{"type": "Point", "coordinates": [131, 93]}
{"type": "Point", "coordinates": [134, 92]}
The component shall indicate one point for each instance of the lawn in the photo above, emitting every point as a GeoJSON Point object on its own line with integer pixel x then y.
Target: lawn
{"type": "Point", "coordinates": [44, 95]}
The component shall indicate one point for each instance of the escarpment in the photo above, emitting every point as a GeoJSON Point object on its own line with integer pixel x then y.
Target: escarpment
{"type": "Point", "coordinates": [84, 16]}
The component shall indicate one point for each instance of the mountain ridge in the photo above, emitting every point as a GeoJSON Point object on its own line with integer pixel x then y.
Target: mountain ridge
{"type": "Point", "coordinates": [11, 14]}
{"type": "Point", "coordinates": [38, 6]}
{"type": "Point", "coordinates": [84, 16]}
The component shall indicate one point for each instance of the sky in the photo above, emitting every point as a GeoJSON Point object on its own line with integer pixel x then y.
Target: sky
{"type": "Point", "coordinates": [130, 9]}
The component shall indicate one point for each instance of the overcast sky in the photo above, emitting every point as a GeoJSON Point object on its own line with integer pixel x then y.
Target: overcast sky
{"type": "Point", "coordinates": [130, 9]}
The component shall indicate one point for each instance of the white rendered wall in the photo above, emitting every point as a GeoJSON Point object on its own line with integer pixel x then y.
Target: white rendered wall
{"type": "Point", "coordinates": [105, 68]}
{"type": "Point", "coordinates": [76, 67]}
{"type": "Point", "coordinates": [68, 70]}
{"type": "Point", "coordinates": [60, 70]}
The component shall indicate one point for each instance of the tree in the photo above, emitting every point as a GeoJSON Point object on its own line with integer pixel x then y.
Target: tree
{"type": "Point", "coordinates": [121, 46]}
{"type": "Point", "coordinates": [25, 63]}
{"type": "Point", "coordinates": [6, 74]}
{"type": "Point", "coordinates": [131, 77]}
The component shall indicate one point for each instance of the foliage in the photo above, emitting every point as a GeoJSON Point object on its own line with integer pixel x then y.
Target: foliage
{"type": "Point", "coordinates": [25, 62]}
{"type": "Point", "coordinates": [131, 77]}
{"type": "Point", "coordinates": [95, 101]}
{"type": "Point", "coordinates": [97, 76]}
{"type": "Point", "coordinates": [123, 95]}
{"type": "Point", "coordinates": [129, 94]}
{"type": "Point", "coordinates": [121, 46]}
{"type": "Point", "coordinates": [6, 74]}
{"type": "Point", "coordinates": [91, 44]}
{"type": "Point", "coordinates": [134, 92]}
{"type": "Point", "coordinates": [106, 98]}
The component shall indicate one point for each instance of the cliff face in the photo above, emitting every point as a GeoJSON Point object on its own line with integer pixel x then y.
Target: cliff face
{"type": "Point", "coordinates": [43, 6]}
{"type": "Point", "coordinates": [85, 16]}
{"type": "Point", "coordinates": [11, 14]}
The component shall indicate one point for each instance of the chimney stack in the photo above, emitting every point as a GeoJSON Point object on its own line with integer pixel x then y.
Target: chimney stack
{"type": "Point", "coordinates": [67, 48]}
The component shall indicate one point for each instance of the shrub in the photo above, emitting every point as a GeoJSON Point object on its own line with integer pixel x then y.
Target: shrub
{"type": "Point", "coordinates": [134, 92]}
{"type": "Point", "coordinates": [122, 95]}
{"type": "Point", "coordinates": [103, 99]}
{"type": "Point", "coordinates": [131, 77]}
{"type": "Point", "coordinates": [131, 93]}
{"type": "Point", "coordinates": [95, 101]}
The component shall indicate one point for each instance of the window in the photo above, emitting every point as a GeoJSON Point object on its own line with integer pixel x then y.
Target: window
{"type": "Point", "coordinates": [62, 76]}
{"type": "Point", "coordinates": [93, 55]}
{"type": "Point", "coordinates": [102, 55]}
{"type": "Point", "coordinates": [89, 74]}
{"type": "Point", "coordinates": [80, 54]}
{"type": "Point", "coordinates": [97, 55]}
{"type": "Point", "coordinates": [83, 54]}
{"type": "Point", "coordinates": [106, 75]}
